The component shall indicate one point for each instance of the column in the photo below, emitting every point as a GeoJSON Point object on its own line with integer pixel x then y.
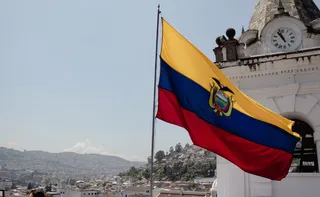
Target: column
{"type": "Point", "coordinates": [316, 137]}
{"type": "Point", "coordinates": [231, 179]}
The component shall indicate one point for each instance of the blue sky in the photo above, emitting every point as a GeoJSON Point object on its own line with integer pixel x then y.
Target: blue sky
{"type": "Point", "coordinates": [77, 75]}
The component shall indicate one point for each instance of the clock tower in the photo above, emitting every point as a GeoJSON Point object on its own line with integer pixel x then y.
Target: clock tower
{"type": "Point", "coordinates": [276, 61]}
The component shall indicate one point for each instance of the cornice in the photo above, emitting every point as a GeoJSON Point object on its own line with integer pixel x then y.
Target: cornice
{"type": "Point", "coordinates": [285, 90]}
{"type": "Point", "coordinates": [255, 73]}
{"type": "Point", "coordinates": [271, 57]}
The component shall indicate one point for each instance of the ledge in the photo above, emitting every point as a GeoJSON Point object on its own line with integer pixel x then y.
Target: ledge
{"type": "Point", "coordinates": [291, 89]}
{"type": "Point", "coordinates": [303, 175]}
{"type": "Point", "coordinates": [258, 59]}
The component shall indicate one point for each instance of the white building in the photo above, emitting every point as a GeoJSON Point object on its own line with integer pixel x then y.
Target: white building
{"type": "Point", "coordinates": [283, 74]}
{"type": "Point", "coordinates": [206, 181]}
{"type": "Point", "coordinates": [132, 191]}
{"type": "Point", "coordinates": [5, 184]}
{"type": "Point", "coordinates": [180, 193]}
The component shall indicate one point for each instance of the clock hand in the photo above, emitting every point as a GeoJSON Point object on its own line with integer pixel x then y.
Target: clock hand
{"type": "Point", "coordinates": [281, 36]}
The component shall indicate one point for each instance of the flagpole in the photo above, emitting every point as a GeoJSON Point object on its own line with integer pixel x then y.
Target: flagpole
{"type": "Point", "coordinates": [154, 101]}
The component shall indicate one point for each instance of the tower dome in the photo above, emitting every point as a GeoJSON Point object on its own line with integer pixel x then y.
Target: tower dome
{"type": "Point", "coordinates": [265, 11]}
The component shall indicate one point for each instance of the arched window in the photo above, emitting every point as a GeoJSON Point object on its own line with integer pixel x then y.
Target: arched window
{"type": "Point", "coordinates": [305, 154]}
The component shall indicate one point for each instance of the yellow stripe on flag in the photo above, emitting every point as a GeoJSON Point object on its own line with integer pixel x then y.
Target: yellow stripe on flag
{"type": "Point", "coordinates": [186, 59]}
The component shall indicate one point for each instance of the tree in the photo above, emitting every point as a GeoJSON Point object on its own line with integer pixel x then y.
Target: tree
{"type": "Point", "coordinates": [30, 186]}
{"type": "Point", "coordinates": [160, 155]}
{"type": "Point", "coordinates": [13, 186]}
{"type": "Point", "coordinates": [178, 148]}
{"type": "Point", "coordinates": [171, 150]}
{"type": "Point", "coordinates": [146, 173]}
{"type": "Point", "coordinates": [48, 188]}
{"type": "Point", "coordinates": [176, 170]}
{"type": "Point", "coordinates": [187, 145]}
{"type": "Point", "coordinates": [72, 181]}
{"type": "Point", "coordinates": [149, 160]}
{"type": "Point", "coordinates": [133, 170]}
{"type": "Point", "coordinates": [47, 181]}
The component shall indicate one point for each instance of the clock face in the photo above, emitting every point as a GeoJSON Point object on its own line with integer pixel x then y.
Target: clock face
{"type": "Point", "coordinates": [285, 39]}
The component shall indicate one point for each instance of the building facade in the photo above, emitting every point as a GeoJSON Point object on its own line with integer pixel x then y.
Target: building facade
{"type": "Point", "coordinates": [277, 63]}
{"type": "Point", "coordinates": [80, 193]}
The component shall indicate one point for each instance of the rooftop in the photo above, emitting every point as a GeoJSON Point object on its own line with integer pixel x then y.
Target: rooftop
{"type": "Point", "coordinates": [177, 193]}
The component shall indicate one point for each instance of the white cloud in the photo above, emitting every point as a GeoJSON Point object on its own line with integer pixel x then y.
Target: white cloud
{"type": "Point", "coordinates": [10, 144]}
{"type": "Point", "coordinates": [87, 147]}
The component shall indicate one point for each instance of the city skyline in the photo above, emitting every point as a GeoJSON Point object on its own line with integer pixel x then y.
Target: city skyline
{"type": "Point", "coordinates": [78, 76]}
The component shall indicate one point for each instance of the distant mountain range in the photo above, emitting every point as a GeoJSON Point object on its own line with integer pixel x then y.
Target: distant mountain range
{"type": "Point", "coordinates": [64, 164]}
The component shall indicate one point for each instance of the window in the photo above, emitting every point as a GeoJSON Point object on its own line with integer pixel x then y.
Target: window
{"type": "Point", "coordinates": [305, 154]}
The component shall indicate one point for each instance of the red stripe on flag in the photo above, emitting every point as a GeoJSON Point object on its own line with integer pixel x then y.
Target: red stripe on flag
{"type": "Point", "coordinates": [249, 156]}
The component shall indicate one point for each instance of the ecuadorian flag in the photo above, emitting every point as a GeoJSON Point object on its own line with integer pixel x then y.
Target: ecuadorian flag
{"type": "Point", "coordinates": [196, 95]}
